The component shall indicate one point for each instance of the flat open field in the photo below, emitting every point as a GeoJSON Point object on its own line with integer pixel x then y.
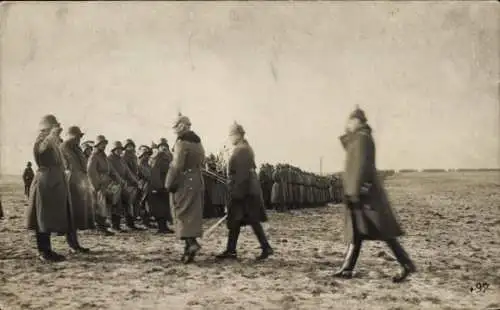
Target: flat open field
{"type": "Point", "coordinates": [453, 234]}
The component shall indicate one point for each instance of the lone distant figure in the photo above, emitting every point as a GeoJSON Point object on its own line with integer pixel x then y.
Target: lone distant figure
{"type": "Point", "coordinates": [246, 203]}
{"type": "Point", "coordinates": [48, 209]}
{"type": "Point", "coordinates": [28, 176]}
{"type": "Point", "coordinates": [369, 215]}
{"type": "Point", "coordinates": [185, 181]}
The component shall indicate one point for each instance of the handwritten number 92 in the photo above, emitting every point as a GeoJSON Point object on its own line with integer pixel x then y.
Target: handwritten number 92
{"type": "Point", "coordinates": [480, 287]}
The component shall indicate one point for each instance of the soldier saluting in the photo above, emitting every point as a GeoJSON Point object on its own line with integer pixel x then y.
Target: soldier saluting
{"type": "Point", "coordinates": [368, 213]}
{"type": "Point", "coordinates": [48, 210]}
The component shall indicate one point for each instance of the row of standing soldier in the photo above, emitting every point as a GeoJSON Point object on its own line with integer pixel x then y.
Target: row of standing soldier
{"type": "Point", "coordinates": [283, 186]}
{"type": "Point", "coordinates": [98, 188]}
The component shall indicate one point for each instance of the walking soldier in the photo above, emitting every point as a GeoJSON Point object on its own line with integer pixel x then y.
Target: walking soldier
{"type": "Point", "coordinates": [185, 182]}
{"type": "Point", "coordinates": [246, 205]}
{"type": "Point", "coordinates": [369, 215]}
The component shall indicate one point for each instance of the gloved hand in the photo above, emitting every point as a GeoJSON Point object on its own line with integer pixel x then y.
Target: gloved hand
{"type": "Point", "coordinates": [365, 189]}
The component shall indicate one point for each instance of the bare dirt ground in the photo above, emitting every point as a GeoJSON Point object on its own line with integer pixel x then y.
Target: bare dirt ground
{"type": "Point", "coordinates": [453, 234]}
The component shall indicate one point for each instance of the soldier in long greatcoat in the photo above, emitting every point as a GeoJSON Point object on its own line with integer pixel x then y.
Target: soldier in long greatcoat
{"type": "Point", "coordinates": [144, 176]}
{"type": "Point", "coordinates": [246, 205]}
{"type": "Point", "coordinates": [130, 158]}
{"type": "Point", "coordinates": [129, 184]}
{"type": "Point", "coordinates": [185, 182]}
{"type": "Point", "coordinates": [48, 209]}
{"type": "Point", "coordinates": [158, 200]}
{"type": "Point", "coordinates": [82, 213]}
{"type": "Point", "coordinates": [106, 185]}
{"type": "Point", "coordinates": [369, 215]}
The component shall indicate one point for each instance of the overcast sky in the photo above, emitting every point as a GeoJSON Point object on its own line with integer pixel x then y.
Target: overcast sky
{"type": "Point", "coordinates": [427, 75]}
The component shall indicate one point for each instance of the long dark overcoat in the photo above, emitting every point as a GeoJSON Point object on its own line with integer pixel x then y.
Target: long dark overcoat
{"type": "Point", "coordinates": [185, 180]}
{"type": "Point", "coordinates": [48, 208]}
{"type": "Point", "coordinates": [102, 176]}
{"type": "Point", "coordinates": [158, 198]}
{"type": "Point", "coordinates": [368, 214]}
{"type": "Point", "coordinates": [80, 189]}
{"type": "Point", "coordinates": [129, 188]}
{"type": "Point", "coordinates": [246, 203]}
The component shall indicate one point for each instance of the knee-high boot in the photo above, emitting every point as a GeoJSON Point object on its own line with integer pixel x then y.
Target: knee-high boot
{"type": "Point", "coordinates": [403, 259]}
{"type": "Point", "coordinates": [115, 223]}
{"type": "Point", "coordinates": [264, 243]}
{"type": "Point", "coordinates": [232, 242]}
{"type": "Point", "coordinates": [350, 259]}
{"type": "Point", "coordinates": [191, 248]}
{"type": "Point", "coordinates": [44, 247]}
{"type": "Point", "coordinates": [74, 244]}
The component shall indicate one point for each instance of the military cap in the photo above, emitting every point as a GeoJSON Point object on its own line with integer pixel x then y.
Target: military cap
{"type": "Point", "coordinates": [48, 121]}
{"type": "Point", "coordinates": [128, 142]}
{"type": "Point", "coordinates": [143, 150]}
{"type": "Point", "coordinates": [100, 140]}
{"type": "Point", "coordinates": [359, 114]}
{"type": "Point", "coordinates": [163, 142]}
{"type": "Point", "coordinates": [181, 119]}
{"type": "Point", "coordinates": [75, 131]}
{"type": "Point", "coordinates": [236, 129]}
{"type": "Point", "coordinates": [117, 145]}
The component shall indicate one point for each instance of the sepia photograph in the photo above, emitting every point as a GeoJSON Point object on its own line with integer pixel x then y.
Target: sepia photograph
{"type": "Point", "coordinates": [171, 155]}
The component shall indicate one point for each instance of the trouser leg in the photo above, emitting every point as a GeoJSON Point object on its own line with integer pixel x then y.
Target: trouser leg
{"type": "Point", "coordinates": [261, 236]}
{"type": "Point", "coordinates": [43, 243]}
{"type": "Point", "coordinates": [401, 255]}
{"type": "Point", "coordinates": [232, 239]}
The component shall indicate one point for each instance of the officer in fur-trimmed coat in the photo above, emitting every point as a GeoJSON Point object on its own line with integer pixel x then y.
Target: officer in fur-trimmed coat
{"type": "Point", "coordinates": [246, 205]}
{"type": "Point", "coordinates": [369, 215]}
{"type": "Point", "coordinates": [185, 183]}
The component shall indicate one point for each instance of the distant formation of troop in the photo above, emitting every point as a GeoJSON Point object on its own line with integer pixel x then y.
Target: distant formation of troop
{"type": "Point", "coordinates": [284, 187]}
